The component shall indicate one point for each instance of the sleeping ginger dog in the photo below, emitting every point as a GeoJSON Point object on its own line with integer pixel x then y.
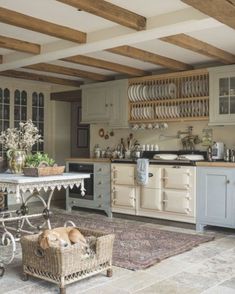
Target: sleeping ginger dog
{"type": "Point", "coordinates": [61, 237]}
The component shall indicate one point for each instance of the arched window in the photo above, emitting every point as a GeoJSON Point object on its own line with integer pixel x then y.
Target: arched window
{"type": "Point", "coordinates": [4, 111]}
{"type": "Point", "coordinates": [38, 116]}
{"type": "Point", "coordinates": [20, 107]}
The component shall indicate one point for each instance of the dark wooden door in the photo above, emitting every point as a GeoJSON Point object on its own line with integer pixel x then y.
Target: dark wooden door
{"type": "Point", "coordinates": [80, 133]}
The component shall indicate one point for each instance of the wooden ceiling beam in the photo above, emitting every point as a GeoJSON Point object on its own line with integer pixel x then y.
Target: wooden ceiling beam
{"type": "Point", "coordinates": [200, 47]}
{"type": "Point", "coordinates": [107, 65]}
{"type": "Point", "coordinates": [39, 78]}
{"type": "Point", "coordinates": [0, 59]}
{"type": "Point", "coordinates": [67, 96]}
{"type": "Point", "coordinates": [41, 26]}
{"type": "Point", "coordinates": [221, 10]}
{"type": "Point", "coordinates": [110, 12]}
{"type": "Point", "coordinates": [19, 45]}
{"type": "Point", "coordinates": [150, 57]}
{"type": "Point", "coordinates": [47, 67]}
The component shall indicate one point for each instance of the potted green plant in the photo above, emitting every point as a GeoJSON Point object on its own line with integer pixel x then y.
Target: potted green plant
{"type": "Point", "coordinates": [40, 164]}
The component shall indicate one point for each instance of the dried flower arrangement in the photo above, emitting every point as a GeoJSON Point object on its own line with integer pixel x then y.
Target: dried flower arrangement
{"type": "Point", "coordinates": [22, 138]}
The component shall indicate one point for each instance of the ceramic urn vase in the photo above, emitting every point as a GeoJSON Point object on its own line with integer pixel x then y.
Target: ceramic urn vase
{"type": "Point", "coordinates": [16, 160]}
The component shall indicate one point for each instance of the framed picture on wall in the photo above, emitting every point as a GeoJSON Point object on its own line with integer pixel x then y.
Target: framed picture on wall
{"type": "Point", "coordinates": [82, 137]}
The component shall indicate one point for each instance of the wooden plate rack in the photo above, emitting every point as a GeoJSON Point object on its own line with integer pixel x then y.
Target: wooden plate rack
{"type": "Point", "coordinates": [181, 96]}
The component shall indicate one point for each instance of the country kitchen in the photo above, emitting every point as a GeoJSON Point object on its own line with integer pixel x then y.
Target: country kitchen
{"type": "Point", "coordinates": [117, 146]}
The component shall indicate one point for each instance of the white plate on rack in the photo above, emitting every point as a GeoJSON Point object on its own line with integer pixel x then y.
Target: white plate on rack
{"type": "Point", "coordinates": [156, 92]}
{"type": "Point", "coordinates": [172, 90]}
{"type": "Point", "coordinates": [145, 92]}
{"type": "Point", "coordinates": [138, 92]}
{"type": "Point", "coordinates": [135, 92]}
{"type": "Point", "coordinates": [129, 93]}
{"type": "Point", "coordinates": [152, 92]}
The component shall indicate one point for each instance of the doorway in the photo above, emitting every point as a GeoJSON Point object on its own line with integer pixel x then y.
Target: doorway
{"type": "Point", "coordinates": [80, 133]}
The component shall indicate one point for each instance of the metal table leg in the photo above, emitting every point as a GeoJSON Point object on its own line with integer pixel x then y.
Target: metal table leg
{"type": "Point", "coordinates": [21, 216]}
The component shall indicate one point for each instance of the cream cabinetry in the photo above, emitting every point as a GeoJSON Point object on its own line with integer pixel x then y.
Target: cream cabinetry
{"type": "Point", "coordinates": [106, 103]}
{"type": "Point", "coordinates": [179, 190]}
{"type": "Point", "coordinates": [169, 193]}
{"type": "Point", "coordinates": [222, 95]}
{"type": "Point", "coordinates": [123, 189]}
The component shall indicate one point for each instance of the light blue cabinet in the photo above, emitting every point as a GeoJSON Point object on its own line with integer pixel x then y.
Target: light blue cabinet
{"type": "Point", "coordinates": [215, 197]}
{"type": "Point", "coordinates": [97, 187]}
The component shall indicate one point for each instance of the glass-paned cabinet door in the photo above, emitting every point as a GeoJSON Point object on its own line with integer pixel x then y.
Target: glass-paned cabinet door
{"type": "Point", "coordinates": [227, 95]}
{"type": "Point", "coordinates": [4, 112]}
{"type": "Point", "coordinates": [222, 95]}
{"type": "Point", "coordinates": [38, 104]}
{"type": "Point", "coordinates": [20, 107]}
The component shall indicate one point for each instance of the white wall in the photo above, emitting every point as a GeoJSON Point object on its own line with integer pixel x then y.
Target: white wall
{"type": "Point", "coordinates": [225, 134]}
{"type": "Point", "coordinates": [61, 131]}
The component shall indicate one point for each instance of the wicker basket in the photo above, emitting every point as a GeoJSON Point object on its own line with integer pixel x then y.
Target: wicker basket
{"type": "Point", "coordinates": [43, 171]}
{"type": "Point", "coordinates": [66, 265]}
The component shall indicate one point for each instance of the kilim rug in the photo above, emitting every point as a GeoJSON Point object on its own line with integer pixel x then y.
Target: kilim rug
{"type": "Point", "coordinates": [137, 246]}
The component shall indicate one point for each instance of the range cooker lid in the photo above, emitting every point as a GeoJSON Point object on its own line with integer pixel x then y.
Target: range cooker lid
{"type": "Point", "coordinates": [179, 155]}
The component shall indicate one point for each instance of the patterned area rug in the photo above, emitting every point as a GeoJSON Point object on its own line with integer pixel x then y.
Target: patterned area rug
{"type": "Point", "coordinates": [136, 245]}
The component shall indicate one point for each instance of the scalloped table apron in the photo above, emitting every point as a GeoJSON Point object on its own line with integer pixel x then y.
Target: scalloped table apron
{"type": "Point", "coordinates": [18, 186]}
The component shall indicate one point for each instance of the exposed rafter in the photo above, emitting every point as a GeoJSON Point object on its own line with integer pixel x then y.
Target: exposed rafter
{"type": "Point", "coordinates": [103, 64]}
{"type": "Point", "coordinates": [39, 78]}
{"type": "Point", "coordinates": [19, 45]}
{"type": "Point", "coordinates": [150, 57]}
{"type": "Point", "coordinates": [46, 67]}
{"type": "Point", "coordinates": [67, 96]}
{"type": "Point", "coordinates": [200, 47]}
{"type": "Point", "coordinates": [222, 10]}
{"type": "Point", "coordinates": [174, 22]}
{"type": "Point", "coordinates": [110, 11]}
{"type": "Point", "coordinates": [38, 25]}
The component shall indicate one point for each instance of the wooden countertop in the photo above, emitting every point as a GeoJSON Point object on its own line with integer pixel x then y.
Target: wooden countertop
{"type": "Point", "coordinates": [215, 164]}
{"type": "Point", "coordinates": [88, 159]}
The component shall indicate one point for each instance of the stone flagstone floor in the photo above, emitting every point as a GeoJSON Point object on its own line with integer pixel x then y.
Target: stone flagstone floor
{"type": "Point", "coordinates": [208, 269]}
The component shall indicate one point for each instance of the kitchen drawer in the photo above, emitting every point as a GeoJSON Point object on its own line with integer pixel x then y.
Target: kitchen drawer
{"type": "Point", "coordinates": [150, 199]}
{"type": "Point", "coordinates": [176, 178]}
{"type": "Point", "coordinates": [123, 196]}
{"type": "Point", "coordinates": [100, 181]}
{"type": "Point", "coordinates": [102, 193]}
{"type": "Point", "coordinates": [123, 174]}
{"type": "Point", "coordinates": [154, 180]}
{"type": "Point", "coordinates": [177, 201]}
{"type": "Point", "coordinates": [102, 169]}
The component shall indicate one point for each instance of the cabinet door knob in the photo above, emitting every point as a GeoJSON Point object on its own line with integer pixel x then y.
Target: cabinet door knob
{"type": "Point", "coordinates": [228, 182]}
{"type": "Point", "coordinates": [100, 169]}
{"type": "Point", "coordinates": [111, 104]}
{"type": "Point", "coordinates": [106, 105]}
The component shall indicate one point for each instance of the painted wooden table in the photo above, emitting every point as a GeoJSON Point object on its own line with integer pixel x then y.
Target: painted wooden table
{"type": "Point", "coordinates": [24, 189]}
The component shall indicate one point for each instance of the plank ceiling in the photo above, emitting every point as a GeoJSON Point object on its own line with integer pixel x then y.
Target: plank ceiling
{"type": "Point", "coordinates": [70, 42]}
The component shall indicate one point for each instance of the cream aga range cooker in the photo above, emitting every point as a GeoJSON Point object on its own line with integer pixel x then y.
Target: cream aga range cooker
{"type": "Point", "coordinates": [170, 192]}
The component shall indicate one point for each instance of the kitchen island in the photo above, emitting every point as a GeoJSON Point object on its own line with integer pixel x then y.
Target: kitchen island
{"type": "Point", "coordinates": [24, 189]}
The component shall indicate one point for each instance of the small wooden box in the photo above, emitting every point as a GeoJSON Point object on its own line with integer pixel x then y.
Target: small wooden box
{"type": "Point", "coordinates": [43, 171]}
